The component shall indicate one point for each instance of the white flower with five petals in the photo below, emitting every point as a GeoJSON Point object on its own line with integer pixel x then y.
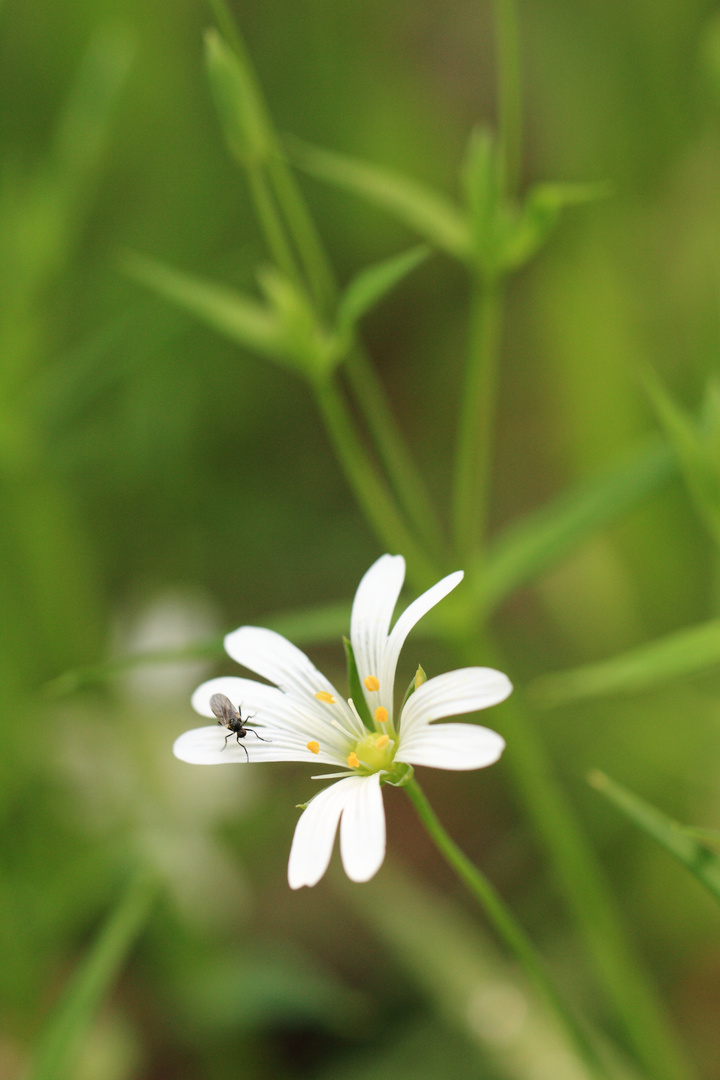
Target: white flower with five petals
{"type": "Point", "coordinates": [302, 717]}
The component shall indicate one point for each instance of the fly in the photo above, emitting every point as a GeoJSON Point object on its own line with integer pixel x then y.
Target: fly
{"type": "Point", "coordinates": [231, 718]}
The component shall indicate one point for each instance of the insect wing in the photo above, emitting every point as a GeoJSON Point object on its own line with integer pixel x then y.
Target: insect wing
{"type": "Point", "coordinates": [223, 709]}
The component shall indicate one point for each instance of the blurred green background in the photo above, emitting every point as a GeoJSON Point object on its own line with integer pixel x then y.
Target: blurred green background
{"type": "Point", "coordinates": [158, 486]}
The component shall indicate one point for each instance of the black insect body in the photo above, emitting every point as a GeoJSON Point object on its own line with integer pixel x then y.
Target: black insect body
{"type": "Point", "coordinates": [232, 719]}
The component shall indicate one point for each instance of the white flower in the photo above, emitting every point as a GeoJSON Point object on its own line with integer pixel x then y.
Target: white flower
{"type": "Point", "coordinates": [302, 717]}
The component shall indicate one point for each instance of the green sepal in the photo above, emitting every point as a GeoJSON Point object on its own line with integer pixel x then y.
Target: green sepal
{"type": "Point", "coordinates": [355, 686]}
{"type": "Point", "coordinates": [400, 775]}
{"type": "Point", "coordinates": [417, 680]}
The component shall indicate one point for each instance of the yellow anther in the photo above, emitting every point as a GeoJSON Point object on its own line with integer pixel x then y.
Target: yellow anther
{"type": "Point", "coordinates": [381, 715]}
{"type": "Point", "coordinates": [353, 760]}
{"type": "Point", "coordinates": [322, 695]}
{"type": "Point", "coordinates": [314, 747]}
{"type": "Point", "coordinates": [382, 741]}
{"type": "Point", "coordinates": [371, 683]}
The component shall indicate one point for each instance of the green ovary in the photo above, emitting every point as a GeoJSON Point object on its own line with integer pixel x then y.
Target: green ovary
{"type": "Point", "coordinates": [375, 752]}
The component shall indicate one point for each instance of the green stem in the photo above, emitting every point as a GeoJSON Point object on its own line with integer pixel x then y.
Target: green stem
{"type": "Point", "coordinates": [305, 235]}
{"type": "Point", "coordinates": [506, 926]}
{"type": "Point", "coordinates": [370, 491]}
{"type": "Point", "coordinates": [507, 52]}
{"type": "Point", "coordinates": [412, 493]}
{"type": "Point", "coordinates": [473, 459]}
{"type": "Point", "coordinates": [367, 388]}
{"type": "Point", "coordinates": [628, 990]}
{"type": "Point", "coordinates": [270, 222]}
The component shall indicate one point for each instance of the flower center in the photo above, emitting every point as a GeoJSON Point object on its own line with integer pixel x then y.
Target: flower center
{"type": "Point", "coordinates": [373, 753]}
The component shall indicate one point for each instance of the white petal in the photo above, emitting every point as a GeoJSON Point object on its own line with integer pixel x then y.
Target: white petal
{"type": "Point", "coordinates": [276, 715]}
{"type": "Point", "coordinates": [206, 746]}
{"type": "Point", "coordinates": [404, 625]}
{"type": "Point", "coordinates": [452, 746]}
{"type": "Point", "coordinates": [362, 829]}
{"type": "Point", "coordinates": [372, 610]}
{"type": "Point", "coordinates": [275, 658]}
{"type": "Point", "coordinates": [455, 692]}
{"type": "Point", "coordinates": [247, 694]}
{"type": "Point", "coordinates": [315, 835]}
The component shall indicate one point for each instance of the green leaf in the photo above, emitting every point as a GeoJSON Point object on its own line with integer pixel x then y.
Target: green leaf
{"type": "Point", "coordinates": [540, 214]}
{"type": "Point", "coordinates": [527, 549]}
{"type": "Point", "coordinates": [239, 105]}
{"type": "Point", "coordinates": [356, 691]}
{"type": "Point", "coordinates": [371, 285]}
{"type": "Point", "coordinates": [696, 448]}
{"type": "Point", "coordinates": [250, 323]}
{"type": "Point", "coordinates": [683, 653]}
{"type": "Point", "coordinates": [89, 986]}
{"type": "Point", "coordinates": [423, 210]}
{"type": "Point", "coordinates": [699, 859]}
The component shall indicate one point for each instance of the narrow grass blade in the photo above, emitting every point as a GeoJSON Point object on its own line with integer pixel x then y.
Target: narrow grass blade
{"type": "Point", "coordinates": [424, 210]}
{"type": "Point", "coordinates": [697, 857]}
{"type": "Point", "coordinates": [528, 548]}
{"type": "Point", "coordinates": [683, 653]}
{"type": "Point", "coordinates": [696, 449]}
{"type": "Point", "coordinates": [88, 988]}
{"type": "Point", "coordinates": [82, 131]}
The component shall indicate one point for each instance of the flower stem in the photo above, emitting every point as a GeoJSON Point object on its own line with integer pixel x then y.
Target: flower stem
{"type": "Point", "coordinates": [401, 470]}
{"type": "Point", "coordinates": [509, 90]}
{"type": "Point", "coordinates": [371, 493]}
{"type": "Point", "coordinates": [477, 412]}
{"type": "Point", "coordinates": [271, 222]}
{"type": "Point", "coordinates": [629, 991]}
{"type": "Point", "coordinates": [506, 926]}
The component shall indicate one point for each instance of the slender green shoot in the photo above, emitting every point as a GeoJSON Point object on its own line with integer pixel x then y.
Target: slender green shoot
{"type": "Point", "coordinates": [681, 843]}
{"type": "Point", "coordinates": [372, 494]}
{"type": "Point", "coordinates": [509, 84]}
{"type": "Point", "coordinates": [59, 1044]}
{"type": "Point", "coordinates": [473, 460]}
{"type": "Point", "coordinates": [507, 927]}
